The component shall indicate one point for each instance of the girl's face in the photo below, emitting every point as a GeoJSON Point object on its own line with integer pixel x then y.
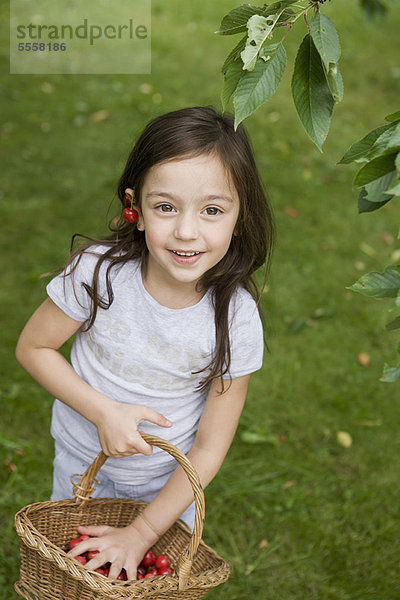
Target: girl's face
{"type": "Point", "coordinates": [188, 211]}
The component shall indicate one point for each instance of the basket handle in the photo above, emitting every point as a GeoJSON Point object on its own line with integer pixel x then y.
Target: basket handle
{"type": "Point", "coordinates": [85, 487]}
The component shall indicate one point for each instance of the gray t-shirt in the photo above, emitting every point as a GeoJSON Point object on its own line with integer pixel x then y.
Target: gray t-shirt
{"type": "Point", "coordinates": [141, 352]}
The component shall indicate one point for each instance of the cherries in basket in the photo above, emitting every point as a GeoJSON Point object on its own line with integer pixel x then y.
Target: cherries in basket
{"type": "Point", "coordinates": [151, 565]}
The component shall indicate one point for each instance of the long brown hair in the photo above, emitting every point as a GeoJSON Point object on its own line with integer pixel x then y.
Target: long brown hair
{"type": "Point", "coordinates": [186, 133]}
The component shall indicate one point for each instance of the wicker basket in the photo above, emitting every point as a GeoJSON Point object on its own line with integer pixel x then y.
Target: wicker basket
{"type": "Point", "coordinates": [45, 529]}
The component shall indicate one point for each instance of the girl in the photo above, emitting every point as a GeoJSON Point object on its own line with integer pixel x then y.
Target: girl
{"type": "Point", "coordinates": [167, 327]}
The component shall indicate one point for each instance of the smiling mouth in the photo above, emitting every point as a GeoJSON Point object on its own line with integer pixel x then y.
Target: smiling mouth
{"type": "Point", "coordinates": [187, 254]}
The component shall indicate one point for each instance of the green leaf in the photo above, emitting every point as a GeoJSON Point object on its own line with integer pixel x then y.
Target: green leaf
{"type": "Point", "coordinates": [335, 82]}
{"type": "Point", "coordinates": [236, 20]}
{"type": "Point", "coordinates": [272, 8]}
{"type": "Point", "coordinates": [233, 75]}
{"type": "Point", "coordinates": [234, 54]}
{"type": "Point", "coordinates": [325, 39]}
{"type": "Point", "coordinates": [394, 189]}
{"type": "Point", "coordinates": [257, 86]}
{"type": "Point", "coordinates": [395, 324]}
{"type": "Point", "coordinates": [259, 29]}
{"type": "Point", "coordinates": [379, 285]}
{"type": "Point", "coordinates": [387, 143]}
{"type": "Point", "coordinates": [361, 148]}
{"type": "Point", "coordinates": [393, 117]}
{"type": "Point", "coordinates": [378, 167]}
{"type": "Point", "coordinates": [376, 191]}
{"type": "Point", "coordinates": [311, 93]}
{"type": "Point", "coordinates": [365, 206]}
{"type": "Point", "coordinates": [390, 374]}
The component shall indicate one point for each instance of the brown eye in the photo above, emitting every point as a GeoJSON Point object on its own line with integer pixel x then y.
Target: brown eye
{"type": "Point", "coordinates": [212, 211]}
{"type": "Point", "coordinates": [165, 208]}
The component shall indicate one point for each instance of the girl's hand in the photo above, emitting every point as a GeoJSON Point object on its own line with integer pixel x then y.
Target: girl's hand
{"type": "Point", "coordinates": [123, 547]}
{"type": "Point", "coordinates": [118, 429]}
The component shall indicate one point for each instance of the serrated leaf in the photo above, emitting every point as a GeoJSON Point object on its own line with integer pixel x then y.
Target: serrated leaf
{"type": "Point", "coordinates": [390, 374]}
{"type": "Point", "coordinates": [376, 192]}
{"type": "Point", "coordinates": [278, 6]}
{"type": "Point", "coordinates": [393, 116]}
{"type": "Point", "coordinates": [361, 148]}
{"type": "Point", "coordinates": [365, 206]}
{"type": "Point", "coordinates": [387, 143]}
{"type": "Point", "coordinates": [234, 54]}
{"type": "Point", "coordinates": [259, 28]}
{"type": "Point", "coordinates": [257, 86]}
{"type": "Point", "coordinates": [311, 93]}
{"type": "Point", "coordinates": [394, 189]}
{"type": "Point", "coordinates": [232, 77]}
{"type": "Point", "coordinates": [374, 169]}
{"type": "Point", "coordinates": [379, 285]}
{"type": "Point", "coordinates": [236, 20]}
{"type": "Point", "coordinates": [325, 39]}
{"type": "Point", "coordinates": [335, 82]}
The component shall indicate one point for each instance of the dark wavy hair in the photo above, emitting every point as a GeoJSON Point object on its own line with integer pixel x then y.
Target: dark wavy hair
{"type": "Point", "coordinates": [187, 133]}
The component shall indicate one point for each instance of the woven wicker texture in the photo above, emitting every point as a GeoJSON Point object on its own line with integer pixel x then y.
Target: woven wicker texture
{"type": "Point", "coordinates": [46, 528]}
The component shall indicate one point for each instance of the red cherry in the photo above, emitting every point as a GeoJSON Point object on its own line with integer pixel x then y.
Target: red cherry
{"type": "Point", "coordinates": [123, 576]}
{"type": "Point", "coordinates": [74, 543]}
{"type": "Point", "coordinates": [131, 215]}
{"type": "Point", "coordinates": [151, 573]}
{"type": "Point", "coordinates": [162, 561]}
{"type": "Point", "coordinates": [165, 571]}
{"type": "Point", "coordinates": [139, 576]}
{"type": "Point", "coordinates": [91, 554]}
{"type": "Point", "coordinates": [84, 537]}
{"type": "Point", "coordinates": [101, 571]}
{"type": "Point", "coordinates": [81, 559]}
{"type": "Point", "coordinates": [127, 200]}
{"type": "Point", "coordinates": [106, 571]}
{"type": "Point", "coordinates": [149, 559]}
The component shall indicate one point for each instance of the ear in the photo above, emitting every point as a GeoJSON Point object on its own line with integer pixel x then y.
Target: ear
{"type": "Point", "coordinates": [140, 223]}
{"type": "Point", "coordinates": [129, 192]}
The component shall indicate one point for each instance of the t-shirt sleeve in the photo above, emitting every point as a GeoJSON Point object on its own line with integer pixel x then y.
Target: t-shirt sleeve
{"type": "Point", "coordinates": [67, 289]}
{"type": "Point", "coordinates": [246, 337]}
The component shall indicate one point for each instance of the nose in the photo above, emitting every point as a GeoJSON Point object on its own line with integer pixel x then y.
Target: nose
{"type": "Point", "coordinates": [186, 227]}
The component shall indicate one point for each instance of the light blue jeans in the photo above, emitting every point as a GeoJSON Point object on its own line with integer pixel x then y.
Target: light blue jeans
{"type": "Point", "coordinates": [66, 464]}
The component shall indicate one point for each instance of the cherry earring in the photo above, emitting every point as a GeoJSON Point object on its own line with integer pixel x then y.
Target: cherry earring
{"type": "Point", "coordinates": [130, 214]}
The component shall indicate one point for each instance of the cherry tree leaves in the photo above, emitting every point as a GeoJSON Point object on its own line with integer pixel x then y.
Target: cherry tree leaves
{"type": "Point", "coordinates": [253, 70]}
{"type": "Point", "coordinates": [317, 83]}
{"type": "Point", "coordinates": [379, 179]}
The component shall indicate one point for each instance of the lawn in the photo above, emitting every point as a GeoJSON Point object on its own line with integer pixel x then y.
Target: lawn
{"type": "Point", "coordinates": [298, 515]}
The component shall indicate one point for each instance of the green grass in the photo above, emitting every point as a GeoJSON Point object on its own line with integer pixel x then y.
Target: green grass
{"type": "Point", "coordinates": [327, 517]}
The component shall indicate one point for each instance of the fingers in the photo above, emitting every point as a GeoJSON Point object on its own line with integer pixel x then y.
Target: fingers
{"type": "Point", "coordinates": [93, 530]}
{"type": "Point", "coordinates": [155, 417]}
{"type": "Point", "coordinates": [115, 569]}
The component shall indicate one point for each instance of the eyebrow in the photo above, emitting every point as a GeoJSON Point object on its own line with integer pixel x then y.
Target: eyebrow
{"type": "Point", "coordinates": [169, 196]}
